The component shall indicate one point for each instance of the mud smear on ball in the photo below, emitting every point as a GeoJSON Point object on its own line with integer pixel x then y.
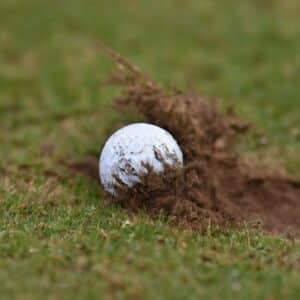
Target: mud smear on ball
{"type": "Point", "coordinates": [128, 149]}
{"type": "Point", "coordinates": [216, 186]}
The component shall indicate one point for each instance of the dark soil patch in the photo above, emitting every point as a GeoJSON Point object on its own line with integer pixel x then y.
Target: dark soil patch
{"type": "Point", "coordinates": [87, 167]}
{"type": "Point", "coordinates": [216, 186]}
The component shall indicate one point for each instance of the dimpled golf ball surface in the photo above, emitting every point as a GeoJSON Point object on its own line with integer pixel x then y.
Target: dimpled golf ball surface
{"type": "Point", "coordinates": [128, 150]}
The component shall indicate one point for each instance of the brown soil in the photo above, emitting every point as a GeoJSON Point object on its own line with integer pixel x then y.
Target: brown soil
{"type": "Point", "coordinates": [216, 185]}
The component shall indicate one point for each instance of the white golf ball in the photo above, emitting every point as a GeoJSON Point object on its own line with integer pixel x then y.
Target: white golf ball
{"type": "Point", "coordinates": [126, 152]}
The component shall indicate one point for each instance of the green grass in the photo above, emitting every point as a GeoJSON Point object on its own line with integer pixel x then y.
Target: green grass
{"type": "Point", "coordinates": [58, 238]}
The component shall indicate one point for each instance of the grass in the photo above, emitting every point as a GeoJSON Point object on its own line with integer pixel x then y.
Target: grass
{"type": "Point", "coordinates": [59, 239]}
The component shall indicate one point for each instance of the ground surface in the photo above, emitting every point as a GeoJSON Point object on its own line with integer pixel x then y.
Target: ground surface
{"type": "Point", "coordinates": [58, 237]}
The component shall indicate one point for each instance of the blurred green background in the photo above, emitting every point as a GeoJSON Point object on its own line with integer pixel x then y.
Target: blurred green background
{"type": "Point", "coordinates": [58, 237]}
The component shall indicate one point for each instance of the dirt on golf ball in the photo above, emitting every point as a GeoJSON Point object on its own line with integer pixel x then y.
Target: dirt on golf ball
{"type": "Point", "coordinates": [128, 152]}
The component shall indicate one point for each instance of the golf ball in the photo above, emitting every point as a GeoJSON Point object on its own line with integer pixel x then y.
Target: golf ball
{"type": "Point", "coordinates": [130, 148]}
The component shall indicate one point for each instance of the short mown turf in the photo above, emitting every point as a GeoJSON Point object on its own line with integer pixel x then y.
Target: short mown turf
{"type": "Point", "coordinates": [58, 238]}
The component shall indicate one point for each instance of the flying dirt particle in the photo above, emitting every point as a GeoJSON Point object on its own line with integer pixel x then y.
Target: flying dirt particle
{"type": "Point", "coordinates": [216, 186]}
